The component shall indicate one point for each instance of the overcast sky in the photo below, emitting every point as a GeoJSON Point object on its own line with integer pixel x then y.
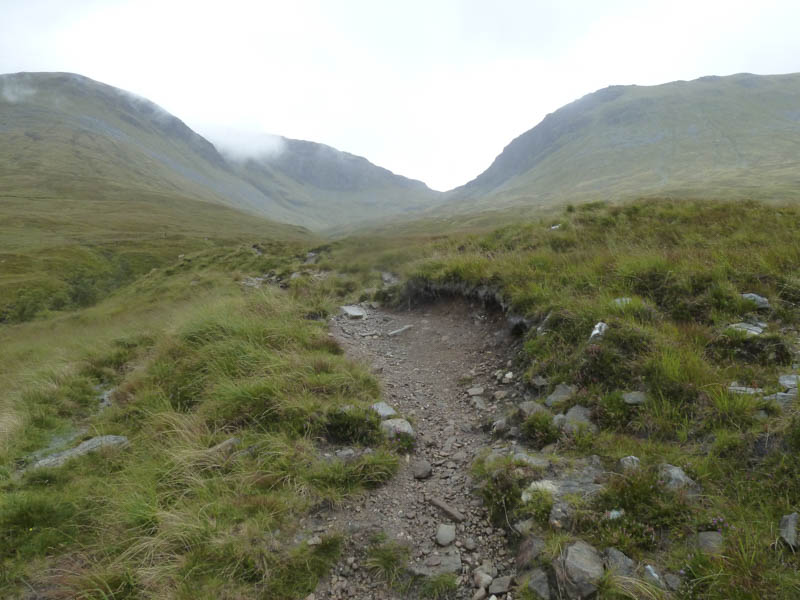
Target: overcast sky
{"type": "Point", "coordinates": [431, 89]}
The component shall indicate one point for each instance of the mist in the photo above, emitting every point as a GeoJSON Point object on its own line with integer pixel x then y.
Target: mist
{"type": "Point", "coordinates": [240, 145]}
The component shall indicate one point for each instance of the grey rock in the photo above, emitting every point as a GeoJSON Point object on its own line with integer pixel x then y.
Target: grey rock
{"type": "Point", "coordinates": [559, 421]}
{"type": "Point", "coordinates": [598, 331]}
{"type": "Point", "coordinates": [528, 551]}
{"type": "Point", "coordinates": [500, 395]}
{"type": "Point", "coordinates": [618, 562]}
{"type": "Point", "coordinates": [384, 410]}
{"type": "Point", "coordinates": [744, 390]}
{"type": "Point", "coordinates": [561, 393]}
{"type": "Point", "coordinates": [784, 399]}
{"type": "Point", "coordinates": [508, 378]}
{"type": "Point", "coordinates": [421, 469]}
{"type": "Point", "coordinates": [788, 529]}
{"type": "Point", "coordinates": [500, 426]}
{"type": "Point", "coordinates": [629, 463]}
{"type": "Point", "coordinates": [539, 382]}
{"type": "Point", "coordinates": [446, 534]}
{"type": "Point", "coordinates": [353, 312]}
{"type": "Point", "coordinates": [675, 478]}
{"type": "Point", "coordinates": [582, 569]}
{"type": "Point", "coordinates": [579, 416]}
{"type": "Point", "coordinates": [710, 542]}
{"type": "Point", "coordinates": [480, 594]}
{"type": "Point", "coordinates": [760, 302]}
{"type": "Point", "coordinates": [397, 427]}
{"type": "Point", "coordinates": [523, 528]}
{"type": "Point", "coordinates": [345, 453]}
{"type": "Point", "coordinates": [533, 461]}
{"type": "Point", "coordinates": [561, 516]}
{"type": "Point", "coordinates": [470, 544]}
{"type": "Point", "coordinates": [748, 328]}
{"type": "Point", "coordinates": [481, 579]}
{"type": "Point", "coordinates": [673, 581]}
{"type": "Point", "coordinates": [652, 576]}
{"type": "Point", "coordinates": [438, 565]}
{"type": "Point", "coordinates": [539, 584]}
{"type": "Point", "coordinates": [530, 407]}
{"type": "Point", "coordinates": [789, 382]}
{"type": "Point", "coordinates": [225, 447]}
{"type": "Point", "coordinates": [478, 402]}
{"type": "Point", "coordinates": [455, 514]}
{"type": "Point", "coordinates": [475, 391]}
{"type": "Point", "coordinates": [403, 329]}
{"type": "Point", "coordinates": [92, 445]}
{"type": "Point", "coordinates": [634, 398]}
{"type": "Point", "coordinates": [500, 585]}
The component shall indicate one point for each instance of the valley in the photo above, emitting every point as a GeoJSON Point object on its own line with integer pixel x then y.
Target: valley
{"type": "Point", "coordinates": [310, 378]}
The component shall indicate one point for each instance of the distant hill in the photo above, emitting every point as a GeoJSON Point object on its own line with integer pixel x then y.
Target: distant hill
{"type": "Point", "coordinates": [736, 136]}
{"type": "Point", "coordinates": [64, 134]}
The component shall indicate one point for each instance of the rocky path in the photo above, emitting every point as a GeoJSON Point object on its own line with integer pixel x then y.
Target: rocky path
{"type": "Point", "coordinates": [428, 370]}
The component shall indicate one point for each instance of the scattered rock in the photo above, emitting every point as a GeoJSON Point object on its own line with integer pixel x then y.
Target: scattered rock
{"type": "Point", "coordinates": [397, 427]}
{"type": "Point", "coordinates": [92, 445]}
{"type": "Point", "coordinates": [528, 551]}
{"type": "Point", "coordinates": [579, 416]}
{"type": "Point", "coordinates": [652, 576]}
{"type": "Point", "coordinates": [401, 330]}
{"type": "Point", "coordinates": [421, 469]}
{"type": "Point", "coordinates": [634, 398]}
{"type": "Point", "coordinates": [384, 410]}
{"type": "Point", "coordinates": [470, 544]}
{"type": "Point", "coordinates": [451, 512]}
{"type": "Point", "coordinates": [598, 330]}
{"type": "Point", "coordinates": [789, 382]}
{"type": "Point", "coordinates": [500, 426]}
{"type": "Point", "coordinates": [500, 395]}
{"type": "Point", "coordinates": [438, 565]}
{"type": "Point", "coordinates": [507, 378]}
{"type": "Point", "coordinates": [481, 579]}
{"type": "Point", "coordinates": [629, 463]}
{"type": "Point", "coordinates": [710, 542]}
{"type": "Point", "coordinates": [446, 534]}
{"type": "Point", "coordinates": [475, 391]}
{"type": "Point", "coordinates": [500, 585]}
{"type": "Point", "coordinates": [353, 312]}
{"type": "Point", "coordinates": [673, 581]}
{"type": "Point", "coordinates": [530, 407]}
{"type": "Point", "coordinates": [561, 393]}
{"type": "Point", "coordinates": [618, 562]}
{"type": "Point", "coordinates": [582, 569]}
{"type": "Point", "coordinates": [760, 302]}
{"type": "Point", "coordinates": [561, 516]}
{"type": "Point", "coordinates": [750, 329]}
{"type": "Point", "coordinates": [788, 529]}
{"type": "Point", "coordinates": [539, 584]}
{"type": "Point", "coordinates": [675, 478]}
{"type": "Point", "coordinates": [479, 403]}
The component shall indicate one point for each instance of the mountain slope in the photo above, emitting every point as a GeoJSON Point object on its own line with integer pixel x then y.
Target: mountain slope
{"type": "Point", "coordinates": [66, 134]}
{"type": "Point", "coordinates": [735, 135]}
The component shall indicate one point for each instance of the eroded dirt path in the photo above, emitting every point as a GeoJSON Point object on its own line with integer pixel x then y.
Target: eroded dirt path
{"type": "Point", "coordinates": [425, 372]}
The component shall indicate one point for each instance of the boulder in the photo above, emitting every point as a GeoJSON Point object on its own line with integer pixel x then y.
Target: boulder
{"type": "Point", "coordinates": [581, 570]}
{"type": "Point", "coordinates": [446, 534]}
{"type": "Point", "coordinates": [760, 302]}
{"type": "Point", "coordinates": [384, 410]}
{"type": "Point", "coordinates": [394, 428]}
{"type": "Point", "coordinates": [528, 551]}
{"type": "Point", "coordinates": [634, 398]}
{"type": "Point", "coordinates": [675, 478]}
{"type": "Point", "coordinates": [579, 416]}
{"type": "Point", "coordinates": [353, 312]}
{"type": "Point", "coordinates": [628, 463]}
{"type": "Point", "coordinates": [710, 542]}
{"type": "Point", "coordinates": [561, 393]}
{"type": "Point", "coordinates": [788, 529]}
{"type": "Point", "coordinates": [618, 562]}
{"type": "Point", "coordinates": [421, 469]}
{"type": "Point", "coordinates": [92, 445]}
{"type": "Point", "coordinates": [538, 584]}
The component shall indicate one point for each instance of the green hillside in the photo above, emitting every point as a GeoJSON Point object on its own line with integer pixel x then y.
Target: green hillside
{"type": "Point", "coordinates": [64, 135]}
{"type": "Point", "coordinates": [736, 136]}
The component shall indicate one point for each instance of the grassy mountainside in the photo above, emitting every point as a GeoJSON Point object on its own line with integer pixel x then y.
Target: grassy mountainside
{"type": "Point", "coordinates": [681, 268]}
{"type": "Point", "coordinates": [736, 136]}
{"type": "Point", "coordinates": [195, 359]}
{"type": "Point", "coordinates": [66, 136]}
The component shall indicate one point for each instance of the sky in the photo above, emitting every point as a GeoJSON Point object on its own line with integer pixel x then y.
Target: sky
{"type": "Point", "coordinates": [430, 89]}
